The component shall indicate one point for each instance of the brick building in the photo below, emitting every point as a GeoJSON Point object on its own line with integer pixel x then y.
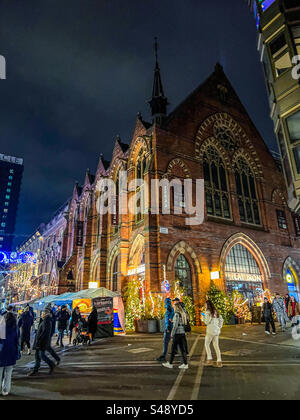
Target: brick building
{"type": "Point", "coordinates": [247, 241]}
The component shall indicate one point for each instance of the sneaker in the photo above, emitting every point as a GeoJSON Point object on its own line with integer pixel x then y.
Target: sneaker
{"type": "Point", "coordinates": [29, 353]}
{"type": "Point", "coordinates": [5, 394]}
{"type": "Point", "coordinates": [267, 332]}
{"type": "Point", "coordinates": [167, 365]}
{"type": "Point", "coordinates": [208, 363]}
{"type": "Point", "coordinates": [219, 365]}
{"type": "Point", "coordinates": [273, 333]}
{"type": "Point", "coordinates": [183, 366]}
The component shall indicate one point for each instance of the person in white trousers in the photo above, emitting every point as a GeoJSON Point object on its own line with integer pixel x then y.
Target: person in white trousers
{"type": "Point", "coordinates": [214, 322]}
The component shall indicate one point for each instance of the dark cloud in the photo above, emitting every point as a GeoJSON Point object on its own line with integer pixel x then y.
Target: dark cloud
{"type": "Point", "coordinates": [80, 70]}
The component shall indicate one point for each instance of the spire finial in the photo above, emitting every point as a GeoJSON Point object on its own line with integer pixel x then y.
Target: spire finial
{"type": "Point", "coordinates": [156, 50]}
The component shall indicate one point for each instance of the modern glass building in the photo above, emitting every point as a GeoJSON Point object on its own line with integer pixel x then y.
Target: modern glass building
{"type": "Point", "coordinates": [278, 26]}
{"type": "Point", "coordinates": [11, 172]}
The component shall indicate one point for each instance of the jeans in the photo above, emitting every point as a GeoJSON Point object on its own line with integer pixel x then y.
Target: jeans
{"type": "Point", "coordinates": [60, 338]}
{"type": "Point", "coordinates": [167, 338]}
{"type": "Point", "coordinates": [5, 377]}
{"type": "Point", "coordinates": [268, 322]}
{"type": "Point", "coordinates": [215, 340]}
{"type": "Point", "coordinates": [39, 356]}
{"type": "Point", "coordinates": [281, 319]}
{"type": "Point", "coordinates": [178, 340]}
{"type": "Point", "coordinates": [53, 354]}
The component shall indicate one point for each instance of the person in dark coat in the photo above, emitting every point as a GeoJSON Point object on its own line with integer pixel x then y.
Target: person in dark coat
{"type": "Point", "coordinates": [25, 324]}
{"type": "Point", "coordinates": [42, 343]}
{"type": "Point", "coordinates": [93, 322]}
{"type": "Point", "coordinates": [169, 315]}
{"type": "Point", "coordinates": [62, 323]}
{"type": "Point", "coordinates": [9, 351]}
{"type": "Point", "coordinates": [76, 317]}
{"type": "Point", "coordinates": [268, 316]}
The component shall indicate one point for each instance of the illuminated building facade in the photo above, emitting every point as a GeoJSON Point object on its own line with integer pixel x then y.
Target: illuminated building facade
{"type": "Point", "coordinates": [278, 25]}
{"type": "Point", "coordinates": [11, 172]}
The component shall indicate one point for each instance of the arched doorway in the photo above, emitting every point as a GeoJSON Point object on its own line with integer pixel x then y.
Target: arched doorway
{"type": "Point", "coordinates": [243, 274]}
{"type": "Point", "coordinates": [183, 274]}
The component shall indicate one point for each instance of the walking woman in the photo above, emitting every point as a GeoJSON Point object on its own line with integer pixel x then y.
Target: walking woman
{"type": "Point", "coordinates": [214, 322]}
{"type": "Point", "coordinates": [25, 324]}
{"type": "Point", "coordinates": [9, 351]}
{"type": "Point", "coordinates": [293, 310]}
{"type": "Point", "coordinates": [76, 317]}
{"type": "Point", "coordinates": [178, 336]}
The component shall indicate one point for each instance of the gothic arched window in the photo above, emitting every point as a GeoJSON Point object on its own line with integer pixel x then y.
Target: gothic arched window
{"type": "Point", "coordinates": [246, 192]}
{"type": "Point", "coordinates": [216, 190]}
{"type": "Point", "coordinates": [115, 274]}
{"type": "Point", "coordinates": [183, 274]}
{"type": "Point", "coordinates": [141, 165]}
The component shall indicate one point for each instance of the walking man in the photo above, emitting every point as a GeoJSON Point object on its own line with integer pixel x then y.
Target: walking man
{"type": "Point", "coordinates": [62, 323]}
{"type": "Point", "coordinates": [280, 309]}
{"type": "Point", "coordinates": [169, 315]}
{"type": "Point", "coordinates": [25, 324]}
{"type": "Point", "coordinates": [42, 343]}
{"type": "Point", "coordinates": [268, 316]}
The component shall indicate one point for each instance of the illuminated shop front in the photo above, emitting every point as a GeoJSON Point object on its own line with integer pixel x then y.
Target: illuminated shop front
{"type": "Point", "coordinates": [292, 282]}
{"type": "Point", "coordinates": [243, 274]}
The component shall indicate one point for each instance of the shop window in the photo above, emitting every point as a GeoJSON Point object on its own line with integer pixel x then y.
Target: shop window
{"type": "Point", "coordinates": [265, 4]}
{"type": "Point", "coordinates": [293, 124]}
{"type": "Point", "coordinates": [246, 192]}
{"type": "Point", "coordinates": [277, 44]}
{"type": "Point", "coordinates": [293, 283]}
{"type": "Point", "coordinates": [242, 273]}
{"type": "Point", "coordinates": [216, 190]}
{"type": "Point", "coordinates": [183, 274]}
{"type": "Point", "coordinates": [281, 219]}
{"type": "Point", "coordinates": [280, 54]}
{"type": "Point", "coordinates": [296, 153]}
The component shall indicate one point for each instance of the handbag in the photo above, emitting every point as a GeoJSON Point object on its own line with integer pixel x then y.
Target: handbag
{"type": "Point", "coordinates": [187, 327]}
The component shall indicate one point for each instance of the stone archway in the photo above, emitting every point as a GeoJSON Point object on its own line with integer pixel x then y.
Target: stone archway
{"type": "Point", "coordinates": [255, 251]}
{"type": "Point", "coordinates": [291, 276]}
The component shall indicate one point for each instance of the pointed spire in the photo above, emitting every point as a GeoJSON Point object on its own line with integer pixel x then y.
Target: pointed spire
{"type": "Point", "coordinates": [159, 102]}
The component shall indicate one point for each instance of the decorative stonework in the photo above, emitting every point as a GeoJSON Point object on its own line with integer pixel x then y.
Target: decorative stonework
{"type": "Point", "coordinates": [253, 164]}
{"type": "Point", "coordinates": [278, 197]}
{"type": "Point", "coordinates": [178, 168]}
{"type": "Point", "coordinates": [183, 248]}
{"type": "Point", "coordinates": [224, 119]}
{"type": "Point", "coordinates": [211, 142]}
{"type": "Point", "coordinates": [141, 143]}
{"type": "Point", "coordinates": [289, 262]}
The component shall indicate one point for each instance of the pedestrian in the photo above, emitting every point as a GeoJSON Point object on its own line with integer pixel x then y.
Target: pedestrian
{"type": "Point", "coordinates": [62, 322]}
{"type": "Point", "coordinates": [287, 301]}
{"type": "Point", "coordinates": [25, 324]}
{"type": "Point", "coordinates": [93, 323]}
{"type": "Point", "coordinates": [42, 343]}
{"type": "Point", "coordinates": [178, 335]}
{"type": "Point", "coordinates": [169, 315]}
{"type": "Point", "coordinates": [9, 351]}
{"type": "Point", "coordinates": [267, 313]}
{"type": "Point", "coordinates": [188, 328]}
{"type": "Point", "coordinates": [293, 311]}
{"type": "Point", "coordinates": [280, 309]}
{"type": "Point", "coordinates": [76, 317]}
{"type": "Point", "coordinates": [214, 322]}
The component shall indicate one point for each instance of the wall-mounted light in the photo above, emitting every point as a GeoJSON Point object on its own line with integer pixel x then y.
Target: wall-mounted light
{"type": "Point", "coordinates": [214, 275]}
{"type": "Point", "coordinates": [93, 285]}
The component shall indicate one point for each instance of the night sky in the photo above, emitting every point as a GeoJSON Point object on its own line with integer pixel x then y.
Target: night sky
{"type": "Point", "coordinates": [79, 71]}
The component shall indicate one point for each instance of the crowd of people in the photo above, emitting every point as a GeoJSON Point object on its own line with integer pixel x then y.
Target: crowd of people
{"type": "Point", "coordinates": [16, 333]}
{"type": "Point", "coordinates": [286, 308]}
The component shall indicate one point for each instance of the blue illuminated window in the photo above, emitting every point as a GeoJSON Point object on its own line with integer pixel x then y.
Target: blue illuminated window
{"type": "Point", "coordinates": [265, 4]}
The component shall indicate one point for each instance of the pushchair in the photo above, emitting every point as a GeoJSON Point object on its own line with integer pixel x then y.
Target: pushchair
{"type": "Point", "coordinates": [82, 334]}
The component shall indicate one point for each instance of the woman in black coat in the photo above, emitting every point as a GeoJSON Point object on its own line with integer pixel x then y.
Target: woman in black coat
{"type": "Point", "coordinates": [93, 322]}
{"type": "Point", "coordinates": [9, 351]}
{"type": "Point", "coordinates": [76, 316]}
{"type": "Point", "coordinates": [268, 317]}
{"type": "Point", "coordinates": [25, 324]}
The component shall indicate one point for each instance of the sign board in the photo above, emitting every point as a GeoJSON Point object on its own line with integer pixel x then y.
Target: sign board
{"type": "Point", "coordinates": [243, 277]}
{"type": "Point", "coordinates": [296, 219]}
{"type": "Point", "coordinates": [104, 306]}
{"type": "Point", "coordinates": [139, 270]}
{"type": "Point", "coordinates": [164, 230]}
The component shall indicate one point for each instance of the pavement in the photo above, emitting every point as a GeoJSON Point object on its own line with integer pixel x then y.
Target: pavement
{"type": "Point", "coordinates": [256, 366]}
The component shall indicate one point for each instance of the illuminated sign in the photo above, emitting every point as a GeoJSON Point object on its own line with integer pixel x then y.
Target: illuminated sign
{"type": "Point", "coordinates": [140, 270]}
{"type": "Point", "coordinates": [17, 258]}
{"type": "Point", "coordinates": [214, 275]}
{"type": "Point", "coordinates": [93, 285]}
{"type": "Point", "coordinates": [243, 277]}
